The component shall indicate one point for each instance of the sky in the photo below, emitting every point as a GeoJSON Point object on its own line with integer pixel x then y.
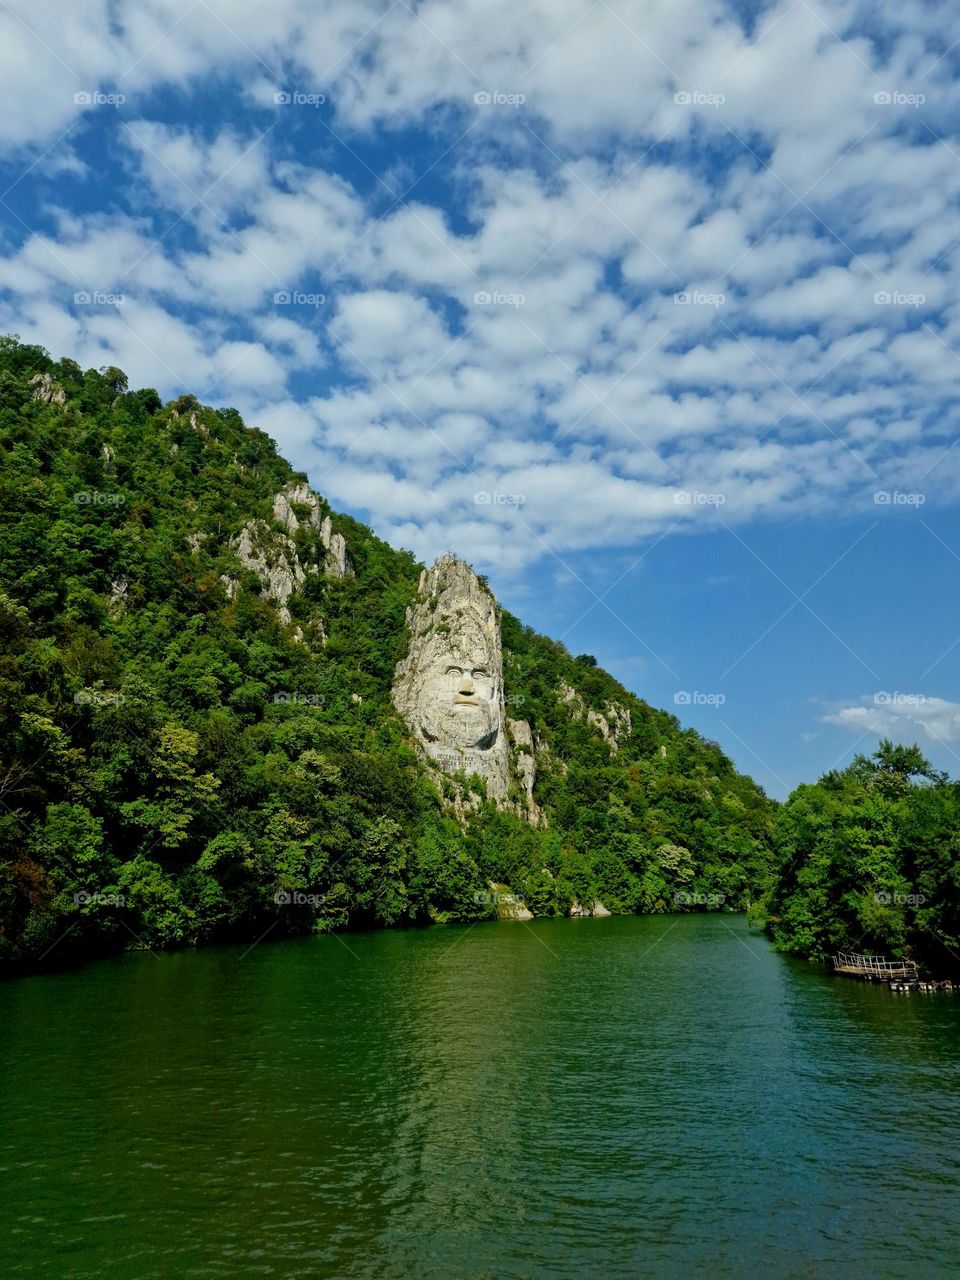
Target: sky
{"type": "Point", "coordinates": [649, 310]}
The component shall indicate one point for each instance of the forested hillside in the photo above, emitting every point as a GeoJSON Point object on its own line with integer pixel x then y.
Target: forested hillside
{"type": "Point", "coordinates": [186, 758]}
{"type": "Point", "coordinates": [870, 862]}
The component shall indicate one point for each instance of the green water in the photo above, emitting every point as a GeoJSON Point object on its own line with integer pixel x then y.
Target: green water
{"type": "Point", "coordinates": [622, 1097]}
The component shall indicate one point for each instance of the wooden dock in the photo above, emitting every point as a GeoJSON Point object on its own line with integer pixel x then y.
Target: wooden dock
{"type": "Point", "coordinates": [874, 968]}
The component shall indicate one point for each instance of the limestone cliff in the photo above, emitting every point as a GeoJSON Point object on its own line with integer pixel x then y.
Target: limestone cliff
{"type": "Point", "coordinates": [449, 687]}
{"type": "Point", "coordinates": [336, 558]}
{"type": "Point", "coordinates": [613, 724]}
{"type": "Point", "coordinates": [274, 557]}
{"type": "Point", "coordinates": [45, 389]}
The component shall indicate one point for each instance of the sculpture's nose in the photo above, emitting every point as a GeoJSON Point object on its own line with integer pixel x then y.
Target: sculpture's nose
{"type": "Point", "coordinates": [466, 682]}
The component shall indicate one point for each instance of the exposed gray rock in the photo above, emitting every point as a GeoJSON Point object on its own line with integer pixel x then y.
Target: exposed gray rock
{"type": "Point", "coordinates": [582, 913]}
{"type": "Point", "coordinates": [509, 906]}
{"type": "Point", "coordinates": [118, 595]}
{"type": "Point", "coordinates": [613, 723]}
{"type": "Point", "coordinates": [273, 558]}
{"type": "Point", "coordinates": [336, 555]}
{"type": "Point", "coordinates": [45, 389]}
{"type": "Point", "coordinates": [524, 764]}
{"type": "Point", "coordinates": [449, 688]}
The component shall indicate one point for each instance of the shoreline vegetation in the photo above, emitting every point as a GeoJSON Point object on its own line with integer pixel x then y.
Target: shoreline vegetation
{"type": "Point", "coordinates": [187, 759]}
{"type": "Point", "coordinates": [868, 860]}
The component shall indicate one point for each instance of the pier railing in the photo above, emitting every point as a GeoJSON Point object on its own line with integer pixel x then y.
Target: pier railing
{"type": "Point", "coordinates": [861, 966]}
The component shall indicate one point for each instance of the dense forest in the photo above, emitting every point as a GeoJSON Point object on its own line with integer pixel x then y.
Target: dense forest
{"type": "Point", "coordinates": [181, 761]}
{"type": "Point", "coordinates": [869, 861]}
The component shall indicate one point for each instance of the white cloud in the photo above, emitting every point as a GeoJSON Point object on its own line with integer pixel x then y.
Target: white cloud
{"type": "Point", "coordinates": [584, 384]}
{"type": "Point", "coordinates": [901, 715]}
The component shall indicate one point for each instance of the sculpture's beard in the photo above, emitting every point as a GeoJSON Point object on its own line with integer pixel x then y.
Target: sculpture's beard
{"type": "Point", "coordinates": [462, 724]}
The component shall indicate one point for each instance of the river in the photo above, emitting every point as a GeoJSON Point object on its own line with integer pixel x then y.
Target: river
{"type": "Point", "coordinates": [624, 1097]}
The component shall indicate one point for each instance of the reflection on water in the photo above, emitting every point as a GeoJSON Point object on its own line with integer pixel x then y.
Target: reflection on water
{"type": "Point", "coordinates": [623, 1097]}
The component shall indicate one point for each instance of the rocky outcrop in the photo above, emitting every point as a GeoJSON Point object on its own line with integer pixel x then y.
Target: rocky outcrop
{"type": "Point", "coordinates": [613, 723]}
{"type": "Point", "coordinates": [337, 562]}
{"type": "Point", "coordinates": [524, 762]}
{"type": "Point", "coordinates": [509, 906]}
{"type": "Point", "coordinates": [273, 558]}
{"type": "Point", "coordinates": [577, 912]}
{"type": "Point", "coordinates": [118, 595]}
{"type": "Point", "coordinates": [45, 389]}
{"type": "Point", "coordinates": [449, 689]}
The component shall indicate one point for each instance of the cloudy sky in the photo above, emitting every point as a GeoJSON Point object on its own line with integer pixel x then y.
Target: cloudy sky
{"type": "Point", "coordinates": [648, 309]}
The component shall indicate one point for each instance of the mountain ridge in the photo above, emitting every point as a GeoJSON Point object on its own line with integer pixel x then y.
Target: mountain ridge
{"type": "Point", "coordinates": [199, 660]}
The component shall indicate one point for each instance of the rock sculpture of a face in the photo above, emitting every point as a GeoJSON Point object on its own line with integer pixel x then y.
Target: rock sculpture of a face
{"type": "Point", "coordinates": [449, 688]}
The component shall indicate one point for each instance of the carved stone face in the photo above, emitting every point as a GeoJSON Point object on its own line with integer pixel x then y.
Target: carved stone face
{"type": "Point", "coordinates": [449, 686]}
{"type": "Point", "coordinates": [456, 692]}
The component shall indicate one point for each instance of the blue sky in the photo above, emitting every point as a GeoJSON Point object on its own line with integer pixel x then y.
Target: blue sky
{"type": "Point", "coordinates": [649, 309]}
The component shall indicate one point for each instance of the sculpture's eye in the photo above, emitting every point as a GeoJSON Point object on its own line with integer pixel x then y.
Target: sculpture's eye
{"type": "Point", "coordinates": [480, 673]}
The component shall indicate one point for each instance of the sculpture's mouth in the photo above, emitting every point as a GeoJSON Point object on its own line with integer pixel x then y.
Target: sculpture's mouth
{"type": "Point", "coordinates": [467, 699]}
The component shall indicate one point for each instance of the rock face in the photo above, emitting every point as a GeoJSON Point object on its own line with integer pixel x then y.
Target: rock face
{"type": "Point", "coordinates": [509, 906]}
{"type": "Point", "coordinates": [613, 723]}
{"type": "Point", "coordinates": [337, 557]}
{"type": "Point", "coordinates": [577, 912]}
{"type": "Point", "coordinates": [45, 389]}
{"type": "Point", "coordinates": [273, 556]}
{"type": "Point", "coordinates": [524, 764]}
{"type": "Point", "coordinates": [449, 688]}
